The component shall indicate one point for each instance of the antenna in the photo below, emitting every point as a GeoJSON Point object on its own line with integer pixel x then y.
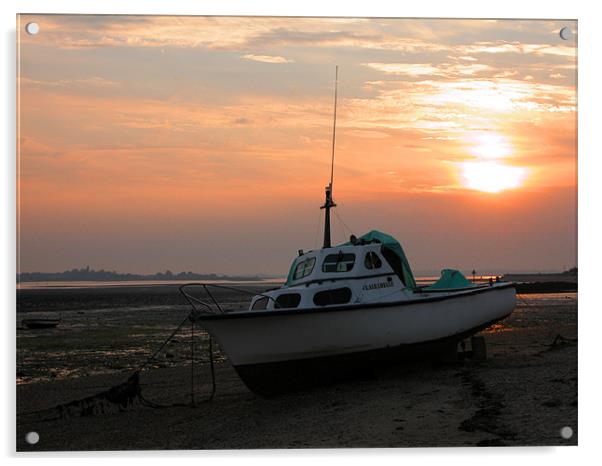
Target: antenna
{"type": "Point", "coordinates": [334, 122]}
{"type": "Point", "coordinates": [329, 203]}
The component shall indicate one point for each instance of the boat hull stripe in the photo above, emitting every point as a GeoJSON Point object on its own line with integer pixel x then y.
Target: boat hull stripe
{"type": "Point", "coordinates": [348, 307]}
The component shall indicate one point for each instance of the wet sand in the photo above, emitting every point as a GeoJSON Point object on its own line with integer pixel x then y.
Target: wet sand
{"type": "Point", "coordinates": [523, 394]}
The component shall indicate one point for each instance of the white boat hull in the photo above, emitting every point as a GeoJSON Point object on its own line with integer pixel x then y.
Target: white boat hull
{"type": "Point", "coordinates": [262, 343]}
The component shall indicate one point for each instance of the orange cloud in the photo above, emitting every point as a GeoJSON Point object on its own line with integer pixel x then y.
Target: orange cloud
{"type": "Point", "coordinates": [266, 58]}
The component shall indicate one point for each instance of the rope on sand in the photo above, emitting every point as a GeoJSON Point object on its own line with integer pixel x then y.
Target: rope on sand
{"type": "Point", "coordinates": [123, 396]}
{"type": "Point", "coordinates": [560, 341]}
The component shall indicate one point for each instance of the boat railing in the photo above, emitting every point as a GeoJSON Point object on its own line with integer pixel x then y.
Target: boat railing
{"type": "Point", "coordinates": [213, 306]}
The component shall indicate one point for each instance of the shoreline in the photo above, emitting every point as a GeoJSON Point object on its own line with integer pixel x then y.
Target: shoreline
{"type": "Point", "coordinates": [59, 298]}
{"type": "Point", "coordinates": [546, 287]}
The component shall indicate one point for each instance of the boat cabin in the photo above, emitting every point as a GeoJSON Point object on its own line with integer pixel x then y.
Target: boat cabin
{"type": "Point", "coordinates": [368, 272]}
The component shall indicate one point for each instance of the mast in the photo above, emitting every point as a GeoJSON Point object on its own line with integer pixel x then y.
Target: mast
{"type": "Point", "coordinates": [329, 203]}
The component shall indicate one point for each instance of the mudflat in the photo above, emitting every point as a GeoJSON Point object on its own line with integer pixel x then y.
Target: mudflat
{"type": "Point", "coordinates": [523, 394]}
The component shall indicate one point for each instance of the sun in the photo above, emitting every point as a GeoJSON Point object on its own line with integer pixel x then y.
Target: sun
{"type": "Point", "coordinates": [491, 177]}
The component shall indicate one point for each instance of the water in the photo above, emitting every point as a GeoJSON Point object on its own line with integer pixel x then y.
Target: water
{"type": "Point", "coordinates": [421, 280]}
{"type": "Point", "coordinates": [104, 284]}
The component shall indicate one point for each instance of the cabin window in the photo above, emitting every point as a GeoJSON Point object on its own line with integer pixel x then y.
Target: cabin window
{"type": "Point", "coordinates": [338, 262]}
{"type": "Point", "coordinates": [372, 261]}
{"type": "Point", "coordinates": [330, 297]}
{"type": "Point", "coordinates": [261, 303]}
{"type": "Point", "coordinates": [288, 300]}
{"type": "Point", "coordinates": [304, 268]}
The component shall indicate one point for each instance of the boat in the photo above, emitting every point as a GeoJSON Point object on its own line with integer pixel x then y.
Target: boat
{"type": "Point", "coordinates": [346, 308]}
{"type": "Point", "coordinates": [40, 323]}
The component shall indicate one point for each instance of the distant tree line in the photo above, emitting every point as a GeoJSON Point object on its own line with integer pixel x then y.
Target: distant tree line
{"type": "Point", "coordinates": [88, 274]}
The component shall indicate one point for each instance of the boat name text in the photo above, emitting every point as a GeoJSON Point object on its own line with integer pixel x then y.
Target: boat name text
{"type": "Point", "coordinates": [376, 286]}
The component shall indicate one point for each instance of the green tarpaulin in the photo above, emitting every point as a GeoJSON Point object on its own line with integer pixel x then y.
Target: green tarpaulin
{"type": "Point", "coordinates": [450, 279]}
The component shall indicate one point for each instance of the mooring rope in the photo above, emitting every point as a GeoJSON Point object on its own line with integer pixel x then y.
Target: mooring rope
{"type": "Point", "coordinates": [151, 404]}
{"type": "Point", "coordinates": [169, 338]}
{"type": "Point", "coordinates": [559, 340]}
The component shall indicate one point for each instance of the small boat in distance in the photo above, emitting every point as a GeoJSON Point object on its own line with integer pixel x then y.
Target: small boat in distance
{"type": "Point", "coordinates": [344, 308]}
{"type": "Point", "coordinates": [40, 323]}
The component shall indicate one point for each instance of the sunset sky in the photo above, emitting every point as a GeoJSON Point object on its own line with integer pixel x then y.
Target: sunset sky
{"type": "Point", "coordinates": [203, 143]}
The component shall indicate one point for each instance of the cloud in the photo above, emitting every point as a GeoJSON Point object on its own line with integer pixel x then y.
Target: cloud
{"type": "Point", "coordinates": [436, 93]}
{"type": "Point", "coordinates": [266, 58]}
{"type": "Point", "coordinates": [427, 69]}
{"type": "Point", "coordinates": [93, 81]}
{"type": "Point", "coordinates": [229, 33]}
{"type": "Point", "coordinates": [242, 121]}
{"type": "Point", "coordinates": [519, 47]}
{"type": "Point", "coordinates": [30, 147]}
{"type": "Point", "coordinates": [410, 69]}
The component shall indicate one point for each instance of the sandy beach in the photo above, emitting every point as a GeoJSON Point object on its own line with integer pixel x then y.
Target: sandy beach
{"type": "Point", "coordinates": [523, 394]}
